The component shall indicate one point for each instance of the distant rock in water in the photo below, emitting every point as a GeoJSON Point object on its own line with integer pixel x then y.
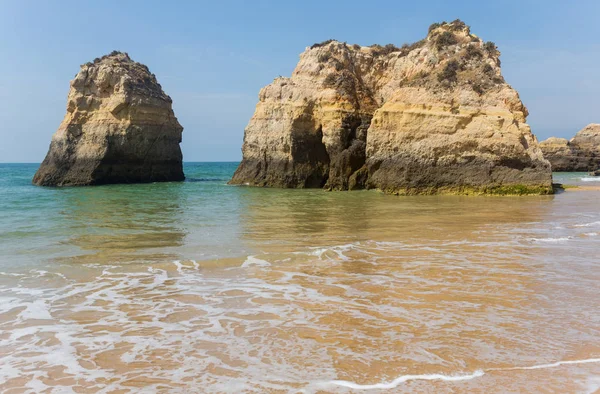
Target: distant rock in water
{"type": "Point", "coordinates": [432, 117]}
{"type": "Point", "coordinates": [119, 128]}
{"type": "Point", "coordinates": [581, 153]}
{"type": "Point", "coordinates": [562, 155]}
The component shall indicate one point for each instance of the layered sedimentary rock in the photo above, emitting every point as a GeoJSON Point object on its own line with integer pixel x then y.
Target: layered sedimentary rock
{"type": "Point", "coordinates": [432, 117]}
{"type": "Point", "coordinates": [119, 128]}
{"type": "Point", "coordinates": [562, 155]}
{"type": "Point", "coordinates": [581, 153]}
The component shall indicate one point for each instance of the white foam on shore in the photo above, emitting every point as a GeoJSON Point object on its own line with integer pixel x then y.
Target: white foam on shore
{"type": "Point", "coordinates": [590, 179]}
{"type": "Point", "coordinates": [592, 224]}
{"type": "Point", "coordinates": [237, 321]}
{"type": "Point", "coordinates": [37, 310]}
{"type": "Point", "coordinates": [592, 385]}
{"type": "Point", "coordinates": [405, 378]}
{"type": "Point", "coordinates": [336, 250]}
{"type": "Point", "coordinates": [451, 378]}
{"type": "Point", "coordinates": [253, 261]}
{"type": "Point", "coordinates": [179, 266]}
{"type": "Point", "coordinates": [11, 274]}
{"type": "Point", "coordinates": [552, 365]}
{"type": "Point", "coordinates": [551, 240]}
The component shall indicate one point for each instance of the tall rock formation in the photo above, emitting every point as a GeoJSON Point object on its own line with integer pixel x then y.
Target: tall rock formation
{"type": "Point", "coordinates": [581, 153]}
{"type": "Point", "coordinates": [432, 117]}
{"type": "Point", "coordinates": [119, 128]}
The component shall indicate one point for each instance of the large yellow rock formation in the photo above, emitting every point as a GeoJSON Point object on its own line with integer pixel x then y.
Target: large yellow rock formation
{"type": "Point", "coordinates": [432, 117]}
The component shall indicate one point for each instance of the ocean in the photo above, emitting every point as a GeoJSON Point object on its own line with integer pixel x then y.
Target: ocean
{"type": "Point", "coordinates": [209, 288]}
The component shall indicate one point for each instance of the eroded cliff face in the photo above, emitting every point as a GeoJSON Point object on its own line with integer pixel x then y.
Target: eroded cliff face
{"type": "Point", "coordinates": [581, 153]}
{"type": "Point", "coordinates": [119, 128]}
{"type": "Point", "coordinates": [435, 116]}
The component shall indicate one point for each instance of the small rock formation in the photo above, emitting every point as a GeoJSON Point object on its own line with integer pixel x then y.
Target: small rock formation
{"type": "Point", "coordinates": [432, 117]}
{"type": "Point", "coordinates": [581, 153]}
{"type": "Point", "coordinates": [562, 155]}
{"type": "Point", "coordinates": [119, 128]}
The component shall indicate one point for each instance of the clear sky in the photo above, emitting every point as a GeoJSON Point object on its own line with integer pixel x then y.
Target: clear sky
{"type": "Point", "coordinates": [213, 57]}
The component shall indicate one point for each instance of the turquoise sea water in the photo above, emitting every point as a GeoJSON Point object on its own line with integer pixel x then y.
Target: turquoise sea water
{"type": "Point", "coordinates": [201, 218]}
{"type": "Point", "coordinates": [200, 286]}
{"type": "Point", "coordinates": [118, 222]}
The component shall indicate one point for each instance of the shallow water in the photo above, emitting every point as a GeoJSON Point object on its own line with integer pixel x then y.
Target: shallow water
{"type": "Point", "coordinates": [203, 287]}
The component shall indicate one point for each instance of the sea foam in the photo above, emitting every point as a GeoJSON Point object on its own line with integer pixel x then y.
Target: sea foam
{"type": "Point", "coordinates": [253, 261]}
{"type": "Point", "coordinates": [591, 224]}
{"type": "Point", "coordinates": [450, 378]}
{"type": "Point", "coordinates": [551, 240]}
{"type": "Point", "coordinates": [405, 378]}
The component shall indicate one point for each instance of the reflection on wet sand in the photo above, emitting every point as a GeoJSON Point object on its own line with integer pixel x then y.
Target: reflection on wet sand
{"type": "Point", "coordinates": [313, 218]}
{"type": "Point", "coordinates": [119, 224]}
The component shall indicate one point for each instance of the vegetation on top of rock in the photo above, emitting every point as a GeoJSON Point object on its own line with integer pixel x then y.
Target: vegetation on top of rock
{"type": "Point", "coordinates": [445, 40]}
{"type": "Point", "coordinates": [434, 26]}
{"type": "Point", "coordinates": [458, 25]}
{"type": "Point", "coordinates": [324, 57]}
{"type": "Point", "coordinates": [498, 79]}
{"type": "Point", "coordinates": [473, 52]}
{"type": "Point", "coordinates": [478, 88]}
{"type": "Point", "coordinates": [343, 82]}
{"type": "Point", "coordinates": [329, 80]}
{"type": "Point", "coordinates": [471, 65]}
{"type": "Point", "coordinates": [378, 50]}
{"type": "Point", "coordinates": [490, 47]}
{"type": "Point", "coordinates": [321, 44]}
{"type": "Point", "coordinates": [455, 25]}
{"type": "Point", "coordinates": [410, 47]}
{"type": "Point", "coordinates": [449, 71]}
{"type": "Point", "coordinates": [112, 54]}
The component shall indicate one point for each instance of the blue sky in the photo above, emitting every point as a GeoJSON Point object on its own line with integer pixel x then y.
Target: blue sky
{"type": "Point", "coordinates": [213, 57]}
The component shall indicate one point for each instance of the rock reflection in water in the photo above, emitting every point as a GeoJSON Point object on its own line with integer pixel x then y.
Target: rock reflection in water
{"type": "Point", "coordinates": [122, 223]}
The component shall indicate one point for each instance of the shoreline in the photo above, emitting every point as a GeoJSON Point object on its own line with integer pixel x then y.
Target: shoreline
{"type": "Point", "coordinates": [566, 188]}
